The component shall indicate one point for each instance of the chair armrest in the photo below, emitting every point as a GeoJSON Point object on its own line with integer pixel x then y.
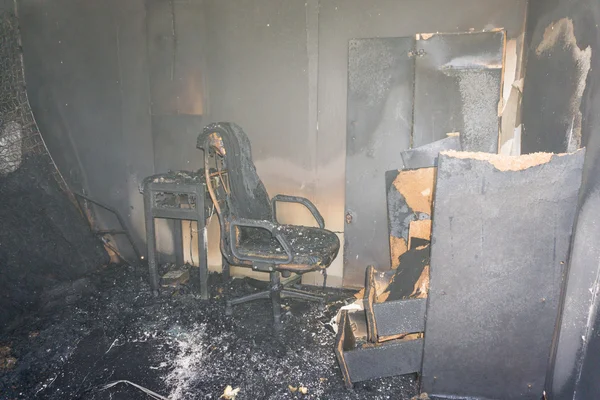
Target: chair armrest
{"type": "Point", "coordinates": [267, 225]}
{"type": "Point", "coordinates": [301, 200]}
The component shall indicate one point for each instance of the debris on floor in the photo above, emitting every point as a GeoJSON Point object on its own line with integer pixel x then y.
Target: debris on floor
{"type": "Point", "coordinates": [6, 361]}
{"type": "Point", "coordinates": [175, 276]}
{"type": "Point", "coordinates": [180, 347]}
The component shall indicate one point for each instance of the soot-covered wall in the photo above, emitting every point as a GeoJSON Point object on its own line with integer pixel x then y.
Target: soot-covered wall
{"type": "Point", "coordinates": [279, 69]}
{"type": "Point", "coordinates": [87, 77]}
{"type": "Point", "coordinates": [561, 110]}
{"type": "Point", "coordinates": [121, 88]}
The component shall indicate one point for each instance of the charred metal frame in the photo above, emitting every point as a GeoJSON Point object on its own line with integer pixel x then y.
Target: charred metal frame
{"type": "Point", "coordinates": [226, 145]}
{"type": "Point", "coordinates": [198, 214]}
{"type": "Point", "coordinates": [104, 232]}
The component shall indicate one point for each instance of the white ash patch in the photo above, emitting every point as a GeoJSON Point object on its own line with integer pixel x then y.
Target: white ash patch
{"type": "Point", "coordinates": [188, 362]}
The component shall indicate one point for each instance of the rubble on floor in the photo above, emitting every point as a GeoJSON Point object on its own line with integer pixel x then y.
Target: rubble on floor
{"type": "Point", "coordinates": [180, 347]}
{"type": "Point", "coordinates": [45, 242]}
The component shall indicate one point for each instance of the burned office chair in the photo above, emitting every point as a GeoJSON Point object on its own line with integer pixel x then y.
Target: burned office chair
{"type": "Point", "coordinates": [250, 234]}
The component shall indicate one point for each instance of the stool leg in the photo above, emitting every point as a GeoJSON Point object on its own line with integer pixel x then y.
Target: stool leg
{"type": "Point", "coordinates": [276, 299]}
{"type": "Point", "coordinates": [226, 271]}
{"type": "Point", "coordinates": [150, 242]}
{"type": "Point", "coordinates": [178, 242]}
{"type": "Point", "coordinates": [203, 262]}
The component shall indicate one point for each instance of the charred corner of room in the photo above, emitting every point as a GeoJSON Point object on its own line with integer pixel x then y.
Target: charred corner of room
{"type": "Point", "coordinates": [238, 200]}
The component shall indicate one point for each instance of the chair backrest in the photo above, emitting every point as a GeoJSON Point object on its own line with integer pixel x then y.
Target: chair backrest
{"type": "Point", "coordinates": [233, 184]}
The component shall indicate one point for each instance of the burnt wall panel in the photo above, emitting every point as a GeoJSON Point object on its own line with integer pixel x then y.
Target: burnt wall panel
{"type": "Point", "coordinates": [380, 107]}
{"type": "Point", "coordinates": [259, 57]}
{"type": "Point", "coordinates": [494, 297]}
{"type": "Point", "coordinates": [458, 87]}
{"type": "Point", "coordinates": [343, 20]}
{"type": "Point", "coordinates": [560, 102]}
{"type": "Point", "coordinates": [86, 70]}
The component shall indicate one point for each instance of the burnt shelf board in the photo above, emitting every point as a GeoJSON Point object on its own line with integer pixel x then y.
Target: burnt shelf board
{"type": "Point", "coordinates": [500, 242]}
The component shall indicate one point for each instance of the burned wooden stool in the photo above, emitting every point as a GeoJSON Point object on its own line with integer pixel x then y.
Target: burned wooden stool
{"type": "Point", "coordinates": [178, 195]}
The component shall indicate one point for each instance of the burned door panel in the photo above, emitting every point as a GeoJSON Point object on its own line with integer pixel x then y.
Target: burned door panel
{"type": "Point", "coordinates": [457, 88]}
{"type": "Point", "coordinates": [500, 241]}
{"type": "Point", "coordinates": [379, 124]}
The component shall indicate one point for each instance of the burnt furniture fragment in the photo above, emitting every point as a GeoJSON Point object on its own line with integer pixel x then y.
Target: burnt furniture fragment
{"type": "Point", "coordinates": [409, 193]}
{"type": "Point", "coordinates": [500, 243]}
{"type": "Point", "coordinates": [250, 234]}
{"type": "Point", "coordinates": [409, 199]}
{"type": "Point", "coordinates": [360, 360]}
{"type": "Point", "coordinates": [178, 195]}
{"type": "Point", "coordinates": [395, 303]}
{"type": "Point", "coordinates": [457, 88]}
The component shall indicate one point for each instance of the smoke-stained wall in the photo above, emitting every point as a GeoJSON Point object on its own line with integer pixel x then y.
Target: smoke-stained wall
{"type": "Point", "coordinates": [561, 109]}
{"type": "Point", "coordinates": [279, 69]}
{"type": "Point", "coordinates": [87, 77]}
{"type": "Point", "coordinates": [138, 81]}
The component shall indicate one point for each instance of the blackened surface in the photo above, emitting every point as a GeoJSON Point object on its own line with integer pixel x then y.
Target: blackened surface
{"type": "Point", "coordinates": [552, 91]}
{"type": "Point", "coordinates": [87, 80]}
{"type": "Point", "coordinates": [427, 155]}
{"type": "Point", "coordinates": [577, 358]}
{"type": "Point", "coordinates": [396, 357]}
{"type": "Point", "coordinates": [181, 347]}
{"type": "Point", "coordinates": [44, 240]}
{"type": "Point", "coordinates": [499, 247]}
{"type": "Point", "coordinates": [408, 272]}
{"type": "Point", "coordinates": [457, 89]}
{"type": "Point", "coordinates": [400, 316]}
{"type": "Point", "coordinates": [379, 122]}
{"type": "Point", "coordinates": [399, 214]}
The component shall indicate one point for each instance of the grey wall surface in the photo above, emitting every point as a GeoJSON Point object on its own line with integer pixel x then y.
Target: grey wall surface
{"type": "Point", "coordinates": [340, 21]}
{"type": "Point", "coordinates": [87, 75]}
{"type": "Point", "coordinates": [7, 5]}
{"type": "Point", "coordinates": [259, 77]}
{"type": "Point", "coordinates": [176, 50]}
{"type": "Point", "coordinates": [550, 90]}
{"type": "Point", "coordinates": [277, 67]}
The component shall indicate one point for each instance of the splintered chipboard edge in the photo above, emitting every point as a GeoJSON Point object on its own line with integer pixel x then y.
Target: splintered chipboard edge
{"type": "Point", "coordinates": [506, 163]}
{"type": "Point", "coordinates": [416, 186]}
{"type": "Point", "coordinates": [420, 229]}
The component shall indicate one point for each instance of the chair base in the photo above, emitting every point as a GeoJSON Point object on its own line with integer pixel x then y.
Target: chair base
{"type": "Point", "coordinates": [276, 292]}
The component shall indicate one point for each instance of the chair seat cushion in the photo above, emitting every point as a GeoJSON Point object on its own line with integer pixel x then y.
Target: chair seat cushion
{"type": "Point", "coordinates": [312, 248]}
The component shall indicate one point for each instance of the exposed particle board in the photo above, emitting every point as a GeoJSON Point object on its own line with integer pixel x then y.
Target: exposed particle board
{"type": "Point", "coordinates": [416, 186]}
{"type": "Point", "coordinates": [420, 229]}
{"type": "Point", "coordinates": [506, 163]}
{"type": "Point", "coordinates": [398, 247]}
{"type": "Point", "coordinates": [500, 240]}
{"type": "Point", "coordinates": [399, 213]}
{"type": "Point", "coordinates": [458, 85]}
{"type": "Point", "coordinates": [409, 198]}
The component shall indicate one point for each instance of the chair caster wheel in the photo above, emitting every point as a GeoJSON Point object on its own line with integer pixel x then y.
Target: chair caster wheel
{"type": "Point", "coordinates": [228, 310]}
